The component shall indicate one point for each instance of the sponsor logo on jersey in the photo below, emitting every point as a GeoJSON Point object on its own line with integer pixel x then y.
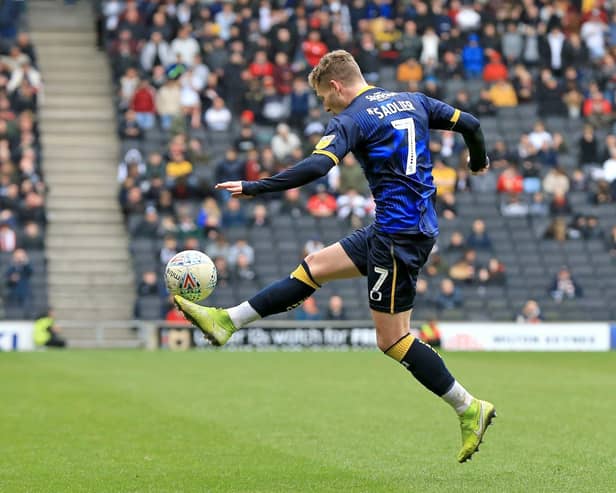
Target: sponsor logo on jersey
{"type": "Point", "coordinates": [325, 141]}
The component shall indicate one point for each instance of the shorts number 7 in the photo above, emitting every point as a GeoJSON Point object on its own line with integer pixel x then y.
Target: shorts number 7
{"type": "Point", "coordinates": [408, 124]}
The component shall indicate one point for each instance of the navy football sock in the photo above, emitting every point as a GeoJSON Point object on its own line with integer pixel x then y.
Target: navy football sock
{"type": "Point", "coordinates": [423, 362]}
{"type": "Point", "coordinates": [286, 294]}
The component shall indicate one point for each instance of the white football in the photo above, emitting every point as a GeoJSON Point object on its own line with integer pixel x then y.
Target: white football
{"type": "Point", "coordinates": [191, 274]}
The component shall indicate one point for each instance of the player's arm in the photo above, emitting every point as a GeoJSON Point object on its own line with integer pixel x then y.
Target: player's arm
{"type": "Point", "coordinates": [446, 117]}
{"type": "Point", "coordinates": [307, 170]}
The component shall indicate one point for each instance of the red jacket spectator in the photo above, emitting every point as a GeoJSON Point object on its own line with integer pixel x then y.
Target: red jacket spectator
{"type": "Point", "coordinates": [495, 69]}
{"type": "Point", "coordinates": [314, 48]}
{"type": "Point", "coordinates": [143, 99]}
{"type": "Point", "coordinates": [321, 204]}
{"type": "Point", "coordinates": [510, 181]}
{"type": "Point", "coordinates": [596, 105]}
{"type": "Point", "coordinates": [261, 67]}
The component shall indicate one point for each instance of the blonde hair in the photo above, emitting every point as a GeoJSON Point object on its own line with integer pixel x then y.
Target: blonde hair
{"type": "Point", "coordinates": [336, 65]}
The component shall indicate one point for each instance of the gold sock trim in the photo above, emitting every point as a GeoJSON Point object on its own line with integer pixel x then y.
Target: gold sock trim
{"type": "Point", "coordinates": [400, 348]}
{"type": "Point", "coordinates": [301, 275]}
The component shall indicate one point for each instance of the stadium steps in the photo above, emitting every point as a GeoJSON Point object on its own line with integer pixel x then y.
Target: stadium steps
{"type": "Point", "coordinates": [90, 275]}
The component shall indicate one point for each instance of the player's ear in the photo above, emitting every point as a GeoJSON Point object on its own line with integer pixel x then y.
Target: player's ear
{"type": "Point", "coordinates": [335, 85]}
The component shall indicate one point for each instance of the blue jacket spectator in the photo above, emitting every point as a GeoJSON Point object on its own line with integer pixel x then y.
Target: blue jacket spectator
{"type": "Point", "coordinates": [472, 57]}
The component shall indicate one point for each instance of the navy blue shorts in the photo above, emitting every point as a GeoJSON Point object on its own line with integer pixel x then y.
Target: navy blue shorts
{"type": "Point", "coordinates": [392, 263]}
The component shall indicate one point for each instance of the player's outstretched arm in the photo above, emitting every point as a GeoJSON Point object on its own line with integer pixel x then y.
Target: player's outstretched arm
{"type": "Point", "coordinates": [471, 131]}
{"type": "Point", "coordinates": [307, 170]}
{"type": "Point", "coordinates": [446, 117]}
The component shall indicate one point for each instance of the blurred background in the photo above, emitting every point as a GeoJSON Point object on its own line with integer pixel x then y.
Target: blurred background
{"type": "Point", "coordinates": [117, 118]}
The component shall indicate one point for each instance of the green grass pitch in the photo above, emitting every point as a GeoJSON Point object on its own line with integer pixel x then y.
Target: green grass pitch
{"type": "Point", "coordinates": [212, 421]}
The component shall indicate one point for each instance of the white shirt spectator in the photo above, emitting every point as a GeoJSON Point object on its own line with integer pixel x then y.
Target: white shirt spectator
{"type": "Point", "coordinates": [429, 50]}
{"type": "Point", "coordinates": [468, 19]}
{"type": "Point", "coordinates": [537, 139]}
{"type": "Point", "coordinates": [218, 117]}
{"type": "Point", "coordinates": [28, 72]}
{"type": "Point", "coordinates": [593, 34]}
{"type": "Point", "coordinates": [185, 49]}
{"type": "Point", "coordinates": [351, 203]}
{"type": "Point", "coordinates": [609, 170]}
{"type": "Point", "coordinates": [151, 49]}
{"type": "Point", "coordinates": [284, 142]}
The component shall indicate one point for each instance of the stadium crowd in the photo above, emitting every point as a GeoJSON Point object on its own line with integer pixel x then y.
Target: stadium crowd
{"type": "Point", "coordinates": [22, 185]}
{"type": "Point", "coordinates": [211, 91]}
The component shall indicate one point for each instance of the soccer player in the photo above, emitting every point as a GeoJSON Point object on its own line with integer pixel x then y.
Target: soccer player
{"type": "Point", "coordinates": [388, 133]}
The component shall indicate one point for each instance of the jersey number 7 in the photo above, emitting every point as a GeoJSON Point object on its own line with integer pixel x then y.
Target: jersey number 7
{"type": "Point", "coordinates": [407, 125]}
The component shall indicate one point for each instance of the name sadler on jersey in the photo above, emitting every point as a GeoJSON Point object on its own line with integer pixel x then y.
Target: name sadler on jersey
{"type": "Point", "coordinates": [390, 108]}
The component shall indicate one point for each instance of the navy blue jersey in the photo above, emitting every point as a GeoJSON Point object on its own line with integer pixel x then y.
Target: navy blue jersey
{"type": "Point", "coordinates": [389, 134]}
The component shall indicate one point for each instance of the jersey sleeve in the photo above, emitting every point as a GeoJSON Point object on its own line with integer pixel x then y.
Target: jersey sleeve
{"type": "Point", "coordinates": [341, 136]}
{"type": "Point", "coordinates": [442, 115]}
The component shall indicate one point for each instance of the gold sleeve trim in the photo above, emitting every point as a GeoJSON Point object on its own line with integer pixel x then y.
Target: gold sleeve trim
{"type": "Point", "coordinates": [330, 155]}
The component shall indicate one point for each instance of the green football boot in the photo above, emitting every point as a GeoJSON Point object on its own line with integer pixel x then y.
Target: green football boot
{"type": "Point", "coordinates": [474, 422]}
{"type": "Point", "coordinates": [215, 323]}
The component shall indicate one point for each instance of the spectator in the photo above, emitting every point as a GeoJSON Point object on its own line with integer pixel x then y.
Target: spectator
{"type": "Point", "coordinates": [284, 142]}
{"type": "Point", "coordinates": [472, 57]}
{"type": "Point", "coordinates": [148, 285]}
{"type": "Point", "coordinates": [555, 182]}
{"type": "Point", "coordinates": [168, 250]}
{"type": "Point", "coordinates": [308, 310]}
{"type": "Point", "coordinates": [351, 205]}
{"type": "Point", "coordinates": [292, 203]}
{"type": "Point", "coordinates": [495, 69]}
{"type": "Point", "coordinates": [446, 206]}
{"type": "Point", "coordinates": [218, 117]}
{"type": "Point", "coordinates": [409, 70]}
{"type": "Point", "coordinates": [8, 238]}
{"type": "Point", "coordinates": [321, 204]}
{"type": "Point", "coordinates": [148, 226]}
{"type": "Point", "coordinates": [537, 206]}
{"type": "Point", "coordinates": [456, 242]}
{"type": "Point", "coordinates": [46, 332]}
{"type": "Point", "coordinates": [17, 277]}
{"type": "Point", "coordinates": [479, 238]}
{"type": "Point", "coordinates": [184, 47]}
{"type": "Point", "coordinates": [156, 50]}
{"type": "Point", "coordinates": [130, 128]}
{"type": "Point", "coordinates": [436, 266]}
{"type": "Point", "coordinates": [560, 205]}
{"type": "Point", "coordinates": [550, 96]}
{"type": "Point", "coordinates": [314, 48]}
{"type": "Point", "coordinates": [243, 269]}
{"type": "Point", "coordinates": [510, 181]}
{"type": "Point", "coordinates": [502, 94]}
{"type": "Point", "coordinates": [259, 217]}
{"type": "Point", "coordinates": [464, 270]}
{"type": "Point", "coordinates": [564, 286]}
{"type": "Point", "coordinates": [530, 314]}
{"type": "Point", "coordinates": [539, 136]}
{"type": "Point", "coordinates": [512, 43]}
{"type": "Point", "coordinates": [444, 178]}
{"type": "Point", "coordinates": [31, 239]}
{"type": "Point", "coordinates": [589, 148]}
{"type": "Point", "coordinates": [335, 308]}
{"type": "Point", "coordinates": [233, 214]}
{"type": "Point", "coordinates": [312, 246]}
{"type": "Point", "coordinates": [596, 108]}
{"type": "Point", "coordinates": [448, 297]}
{"type": "Point", "coordinates": [241, 247]}
{"type": "Point", "coordinates": [168, 103]}
{"type": "Point", "coordinates": [514, 206]}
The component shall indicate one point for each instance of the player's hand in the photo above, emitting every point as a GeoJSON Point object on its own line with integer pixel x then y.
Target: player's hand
{"type": "Point", "coordinates": [234, 187]}
{"type": "Point", "coordinates": [481, 171]}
